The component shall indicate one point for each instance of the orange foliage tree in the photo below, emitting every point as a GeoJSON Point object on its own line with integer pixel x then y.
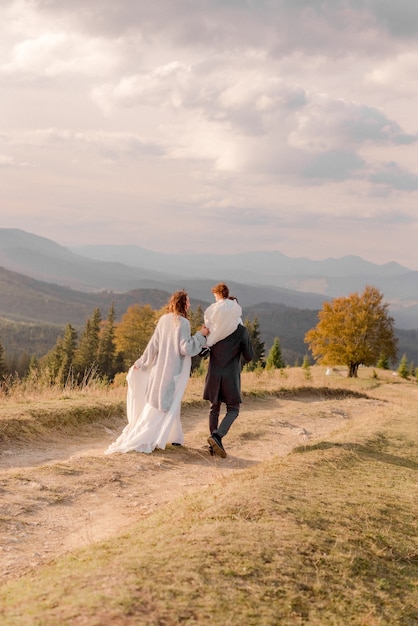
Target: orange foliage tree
{"type": "Point", "coordinates": [353, 331]}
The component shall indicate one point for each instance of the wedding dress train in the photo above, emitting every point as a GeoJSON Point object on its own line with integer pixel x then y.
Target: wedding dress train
{"type": "Point", "coordinates": [149, 428]}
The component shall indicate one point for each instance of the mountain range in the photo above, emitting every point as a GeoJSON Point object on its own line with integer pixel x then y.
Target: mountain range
{"type": "Point", "coordinates": [254, 277]}
{"type": "Point", "coordinates": [44, 286]}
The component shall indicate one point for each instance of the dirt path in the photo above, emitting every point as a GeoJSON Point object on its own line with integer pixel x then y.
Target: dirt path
{"type": "Point", "coordinates": [57, 497]}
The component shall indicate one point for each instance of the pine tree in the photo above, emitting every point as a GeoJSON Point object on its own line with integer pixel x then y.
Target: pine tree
{"type": "Point", "coordinates": [383, 362]}
{"type": "Point", "coordinates": [52, 362]}
{"type": "Point", "coordinates": [67, 352]}
{"type": "Point", "coordinates": [86, 355]}
{"type": "Point", "coordinates": [274, 357]}
{"type": "Point", "coordinates": [306, 366]}
{"type": "Point", "coordinates": [3, 366]}
{"type": "Point", "coordinates": [23, 363]}
{"type": "Point", "coordinates": [107, 346]}
{"type": "Point", "coordinates": [196, 319]}
{"type": "Point", "coordinates": [306, 363]}
{"type": "Point", "coordinates": [59, 362]}
{"type": "Point", "coordinates": [258, 345]}
{"type": "Point", "coordinates": [403, 369]}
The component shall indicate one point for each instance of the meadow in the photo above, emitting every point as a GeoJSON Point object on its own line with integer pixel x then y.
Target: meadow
{"type": "Point", "coordinates": [325, 534]}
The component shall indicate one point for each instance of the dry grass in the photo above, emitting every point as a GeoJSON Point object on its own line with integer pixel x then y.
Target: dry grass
{"type": "Point", "coordinates": [324, 536]}
{"type": "Point", "coordinates": [36, 412]}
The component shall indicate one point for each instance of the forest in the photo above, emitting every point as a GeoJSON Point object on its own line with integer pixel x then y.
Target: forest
{"type": "Point", "coordinates": [23, 344]}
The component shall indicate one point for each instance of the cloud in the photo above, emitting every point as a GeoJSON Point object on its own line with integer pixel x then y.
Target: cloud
{"type": "Point", "coordinates": [281, 24]}
{"type": "Point", "coordinates": [275, 119]}
{"type": "Point", "coordinates": [9, 161]}
{"type": "Point", "coordinates": [394, 176]}
{"type": "Point", "coordinates": [395, 73]}
{"type": "Point", "coordinates": [6, 161]}
{"type": "Point", "coordinates": [326, 123]}
{"type": "Point", "coordinates": [333, 165]}
{"type": "Point", "coordinates": [59, 54]}
{"type": "Point", "coordinates": [164, 85]}
{"type": "Point", "coordinates": [399, 18]}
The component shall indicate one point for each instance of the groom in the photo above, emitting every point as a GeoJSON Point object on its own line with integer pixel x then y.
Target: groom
{"type": "Point", "coordinates": [223, 384]}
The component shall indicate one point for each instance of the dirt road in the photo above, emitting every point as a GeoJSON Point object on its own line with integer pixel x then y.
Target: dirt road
{"type": "Point", "coordinates": [61, 495]}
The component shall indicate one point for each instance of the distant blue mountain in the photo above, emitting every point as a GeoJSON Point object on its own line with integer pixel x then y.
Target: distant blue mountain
{"type": "Point", "coordinates": [272, 268]}
{"type": "Point", "coordinates": [254, 277]}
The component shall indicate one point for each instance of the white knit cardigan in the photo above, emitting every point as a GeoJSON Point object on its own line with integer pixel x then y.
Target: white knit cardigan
{"type": "Point", "coordinates": [166, 354]}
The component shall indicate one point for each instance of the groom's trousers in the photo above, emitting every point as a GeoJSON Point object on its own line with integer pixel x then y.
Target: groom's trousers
{"type": "Point", "coordinates": [232, 411]}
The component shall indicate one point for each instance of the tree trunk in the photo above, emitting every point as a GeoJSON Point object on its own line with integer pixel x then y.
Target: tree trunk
{"type": "Point", "coordinates": [353, 368]}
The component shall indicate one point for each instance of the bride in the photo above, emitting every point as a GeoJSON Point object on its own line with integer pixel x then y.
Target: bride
{"type": "Point", "coordinates": [157, 381]}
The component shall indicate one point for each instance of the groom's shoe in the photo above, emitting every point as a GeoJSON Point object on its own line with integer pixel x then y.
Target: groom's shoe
{"type": "Point", "coordinates": [216, 442]}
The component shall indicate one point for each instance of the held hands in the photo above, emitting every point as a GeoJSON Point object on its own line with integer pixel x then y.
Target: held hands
{"type": "Point", "coordinates": [204, 330]}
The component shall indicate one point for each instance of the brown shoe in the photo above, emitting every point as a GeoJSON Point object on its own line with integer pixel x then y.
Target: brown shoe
{"type": "Point", "coordinates": [216, 443]}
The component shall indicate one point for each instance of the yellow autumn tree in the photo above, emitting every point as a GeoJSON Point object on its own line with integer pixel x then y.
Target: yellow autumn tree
{"type": "Point", "coordinates": [353, 331]}
{"type": "Point", "coordinates": [134, 331]}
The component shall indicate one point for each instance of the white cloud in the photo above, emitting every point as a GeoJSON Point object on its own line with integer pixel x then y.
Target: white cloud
{"type": "Point", "coordinates": [397, 73]}
{"type": "Point", "coordinates": [282, 120]}
{"type": "Point", "coordinates": [60, 54]}
{"type": "Point", "coordinates": [164, 85]}
{"type": "Point", "coordinates": [327, 124]}
{"type": "Point", "coordinates": [6, 161]}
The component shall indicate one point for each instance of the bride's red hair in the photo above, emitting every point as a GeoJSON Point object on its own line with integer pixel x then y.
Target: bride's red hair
{"type": "Point", "coordinates": [178, 303]}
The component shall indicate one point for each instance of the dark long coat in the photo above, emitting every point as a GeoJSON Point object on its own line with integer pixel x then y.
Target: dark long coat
{"type": "Point", "coordinates": [223, 380]}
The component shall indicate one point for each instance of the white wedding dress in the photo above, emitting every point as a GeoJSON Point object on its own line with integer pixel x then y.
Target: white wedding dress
{"type": "Point", "coordinates": [149, 428]}
{"type": "Point", "coordinates": [156, 384]}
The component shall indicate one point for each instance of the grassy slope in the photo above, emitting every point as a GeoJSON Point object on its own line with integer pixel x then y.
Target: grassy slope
{"type": "Point", "coordinates": [327, 535]}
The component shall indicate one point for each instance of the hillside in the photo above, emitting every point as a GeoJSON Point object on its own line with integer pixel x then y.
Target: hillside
{"type": "Point", "coordinates": [33, 313]}
{"type": "Point", "coordinates": [45, 260]}
{"type": "Point", "coordinates": [254, 277]}
{"type": "Point", "coordinates": [39, 309]}
{"type": "Point", "coordinates": [310, 519]}
{"type": "Point", "coordinates": [29, 300]}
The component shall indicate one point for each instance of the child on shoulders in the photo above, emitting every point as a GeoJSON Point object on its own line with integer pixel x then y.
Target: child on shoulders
{"type": "Point", "coordinates": [223, 316]}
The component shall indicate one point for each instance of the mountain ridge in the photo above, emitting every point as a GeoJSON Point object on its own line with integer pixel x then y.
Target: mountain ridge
{"type": "Point", "coordinates": [254, 277]}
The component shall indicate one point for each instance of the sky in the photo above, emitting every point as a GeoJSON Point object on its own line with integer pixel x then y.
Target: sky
{"type": "Point", "coordinates": [213, 126]}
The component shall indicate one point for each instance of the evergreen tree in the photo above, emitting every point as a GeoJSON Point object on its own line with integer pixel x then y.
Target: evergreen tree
{"type": "Point", "coordinates": [3, 366]}
{"type": "Point", "coordinates": [33, 371]}
{"type": "Point", "coordinates": [306, 363]}
{"type": "Point", "coordinates": [23, 363]}
{"type": "Point", "coordinates": [34, 364]}
{"type": "Point", "coordinates": [403, 369]}
{"type": "Point", "coordinates": [306, 367]}
{"type": "Point", "coordinates": [196, 319]}
{"type": "Point", "coordinates": [52, 362]}
{"type": "Point", "coordinates": [274, 357]}
{"type": "Point", "coordinates": [86, 354]}
{"type": "Point", "coordinates": [383, 362]}
{"type": "Point", "coordinates": [67, 352]}
{"type": "Point", "coordinates": [107, 346]}
{"type": "Point", "coordinates": [258, 345]}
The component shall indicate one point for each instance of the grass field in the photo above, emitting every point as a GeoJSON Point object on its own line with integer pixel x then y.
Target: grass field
{"type": "Point", "coordinates": [327, 535]}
